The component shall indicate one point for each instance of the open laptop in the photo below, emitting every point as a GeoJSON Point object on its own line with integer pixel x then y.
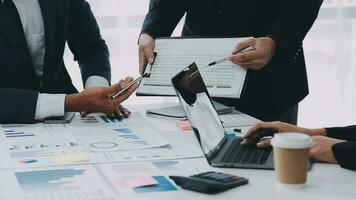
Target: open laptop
{"type": "Point", "coordinates": [220, 150]}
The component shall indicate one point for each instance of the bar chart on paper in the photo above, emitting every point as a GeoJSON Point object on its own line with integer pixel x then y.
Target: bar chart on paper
{"type": "Point", "coordinates": [72, 182]}
{"type": "Point", "coordinates": [21, 131]}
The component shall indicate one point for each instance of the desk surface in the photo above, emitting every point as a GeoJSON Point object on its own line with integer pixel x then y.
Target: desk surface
{"type": "Point", "coordinates": [325, 181]}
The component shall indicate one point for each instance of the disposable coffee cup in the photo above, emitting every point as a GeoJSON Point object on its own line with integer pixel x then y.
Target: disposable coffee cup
{"type": "Point", "coordinates": [291, 158]}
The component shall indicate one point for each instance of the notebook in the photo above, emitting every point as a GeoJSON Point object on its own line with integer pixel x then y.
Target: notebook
{"type": "Point", "coordinates": [177, 111]}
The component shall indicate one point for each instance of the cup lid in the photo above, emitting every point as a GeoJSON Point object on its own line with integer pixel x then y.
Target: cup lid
{"type": "Point", "coordinates": [292, 141]}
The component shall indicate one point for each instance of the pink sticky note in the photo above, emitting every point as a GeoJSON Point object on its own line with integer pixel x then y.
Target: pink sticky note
{"type": "Point", "coordinates": [134, 182]}
{"type": "Point", "coordinates": [184, 125]}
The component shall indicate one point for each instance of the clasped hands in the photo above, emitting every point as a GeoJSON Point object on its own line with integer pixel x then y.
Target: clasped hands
{"type": "Point", "coordinates": [98, 100]}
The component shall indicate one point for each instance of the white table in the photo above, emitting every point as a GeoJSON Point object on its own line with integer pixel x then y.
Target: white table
{"type": "Point", "coordinates": [325, 181]}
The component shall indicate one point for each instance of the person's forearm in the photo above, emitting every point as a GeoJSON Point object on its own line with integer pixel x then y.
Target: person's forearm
{"type": "Point", "coordinates": [315, 132]}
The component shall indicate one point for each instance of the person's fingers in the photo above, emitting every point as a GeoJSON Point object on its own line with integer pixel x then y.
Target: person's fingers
{"type": "Point", "coordinates": [125, 95]}
{"type": "Point", "coordinates": [260, 128]}
{"type": "Point", "coordinates": [251, 62]}
{"type": "Point", "coordinates": [244, 57]}
{"type": "Point", "coordinates": [124, 83]}
{"type": "Point", "coordinates": [84, 114]}
{"type": "Point", "coordinates": [128, 79]}
{"type": "Point", "coordinates": [124, 111]}
{"type": "Point", "coordinates": [110, 114]}
{"type": "Point", "coordinates": [142, 61]}
{"type": "Point", "coordinates": [243, 45]}
{"type": "Point", "coordinates": [252, 66]}
{"type": "Point", "coordinates": [149, 55]}
{"type": "Point", "coordinates": [118, 112]}
{"type": "Point", "coordinates": [263, 143]}
{"type": "Point", "coordinates": [112, 89]}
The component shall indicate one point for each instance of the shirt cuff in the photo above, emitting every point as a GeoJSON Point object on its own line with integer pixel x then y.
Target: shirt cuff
{"type": "Point", "coordinates": [96, 81]}
{"type": "Point", "coordinates": [49, 105]}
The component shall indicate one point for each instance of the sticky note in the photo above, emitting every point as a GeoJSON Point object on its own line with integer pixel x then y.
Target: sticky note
{"type": "Point", "coordinates": [184, 125]}
{"type": "Point", "coordinates": [70, 158]}
{"type": "Point", "coordinates": [134, 182]}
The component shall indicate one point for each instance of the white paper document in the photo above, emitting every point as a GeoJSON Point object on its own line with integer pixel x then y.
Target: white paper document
{"type": "Point", "coordinates": [96, 182]}
{"type": "Point", "coordinates": [222, 80]}
{"type": "Point", "coordinates": [100, 141]}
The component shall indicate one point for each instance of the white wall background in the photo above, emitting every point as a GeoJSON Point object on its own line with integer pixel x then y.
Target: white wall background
{"type": "Point", "coordinates": [330, 50]}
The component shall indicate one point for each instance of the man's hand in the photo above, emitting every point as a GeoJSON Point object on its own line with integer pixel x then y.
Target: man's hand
{"type": "Point", "coordinates": [97, 99]}
{"type": "Point", "coordinates": [256, 59]}
{"type": "Point", "coordinates": [322, 149]}
{"type": "Point", "coordinates": [275, 127]}
{"type": "Point", "coordinates": [146, 45]}
{"type": "Point", "coordinates": [121, 111]}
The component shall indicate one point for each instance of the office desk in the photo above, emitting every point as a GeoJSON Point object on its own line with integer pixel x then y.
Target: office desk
{"type": "Point", "coordinates": [325, 181]}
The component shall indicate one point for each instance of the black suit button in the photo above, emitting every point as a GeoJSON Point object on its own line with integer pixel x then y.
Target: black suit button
{"type": "Point", "coordinates": [220, 14]}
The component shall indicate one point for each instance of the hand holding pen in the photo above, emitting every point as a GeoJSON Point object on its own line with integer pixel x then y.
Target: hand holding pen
{"type": "Point", "coordinates": [256, 58]}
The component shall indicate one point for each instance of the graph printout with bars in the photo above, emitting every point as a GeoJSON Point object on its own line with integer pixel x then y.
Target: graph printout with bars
{"type": "Point", "coordinates": [65, 183]}
{"type": "Point", "coordinates": [222, 80]}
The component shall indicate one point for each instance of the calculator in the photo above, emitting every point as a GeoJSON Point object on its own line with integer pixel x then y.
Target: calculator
{"type": "Point", "coordinates": [209, 182]}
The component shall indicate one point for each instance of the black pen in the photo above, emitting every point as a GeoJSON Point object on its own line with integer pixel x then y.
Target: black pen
{"type": "Point", "coordinates": [251, 48]}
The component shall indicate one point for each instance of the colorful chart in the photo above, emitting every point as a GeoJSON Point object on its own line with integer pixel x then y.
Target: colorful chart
{"type": "Point", "coordinates": [110, 120]}
{"type": "Point", "coordinates": [129, 135]}
{"type": "Point", "coordinates": [163, 185]}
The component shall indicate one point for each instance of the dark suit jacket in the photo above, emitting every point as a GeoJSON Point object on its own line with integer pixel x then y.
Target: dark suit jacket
{"type": "Point", "coordinates": [65, 21]}
{"type": "Point", "coordinates": [344, 152]}
{"type": "Point", "coordinates": [283, 82]}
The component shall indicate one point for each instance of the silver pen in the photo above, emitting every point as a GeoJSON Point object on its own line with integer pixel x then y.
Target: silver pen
{"type": "Point", "coordinates": [251, 48]}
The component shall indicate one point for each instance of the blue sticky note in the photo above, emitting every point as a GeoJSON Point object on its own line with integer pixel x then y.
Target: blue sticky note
{"type": "Point", "coordinates": [230, 134]}
{"type": "Point", "coordinates": [163, 185]}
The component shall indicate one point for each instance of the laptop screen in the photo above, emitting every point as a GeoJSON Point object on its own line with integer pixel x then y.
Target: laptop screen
{"type": "Point", "coordinates": [196, 102]}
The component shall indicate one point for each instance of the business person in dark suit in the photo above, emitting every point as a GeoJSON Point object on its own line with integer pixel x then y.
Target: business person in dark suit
{"type": "Point", "coordinates": [34, 83]}
{"type": "Point", "coordinates": [332, 145]}
{"type": "Point", "coordinates": [277, 78]}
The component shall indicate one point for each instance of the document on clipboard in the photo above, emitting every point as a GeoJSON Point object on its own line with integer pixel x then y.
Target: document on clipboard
{"type": "Point", "coordinates": [173, 54]}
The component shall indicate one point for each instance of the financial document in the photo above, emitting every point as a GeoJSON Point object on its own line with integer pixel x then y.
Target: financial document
{"type": "Point", "coordinates": [95, 181]}
{"type": "Point", "coordinates": [222, 80]}
{"type": "Point", "coordinates": [102, 140]}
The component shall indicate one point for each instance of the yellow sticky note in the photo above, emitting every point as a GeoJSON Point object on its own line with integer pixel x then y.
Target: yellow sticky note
{"type": "Point", "coordinates": [70, 158]}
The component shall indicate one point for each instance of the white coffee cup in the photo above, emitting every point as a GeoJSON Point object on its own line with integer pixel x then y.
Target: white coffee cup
{"type": "Point", "coordinates": [291, 158]}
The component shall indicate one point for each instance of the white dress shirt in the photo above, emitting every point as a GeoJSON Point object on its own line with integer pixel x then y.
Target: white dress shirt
{"type": "Point", "coordinates": [48, 105]}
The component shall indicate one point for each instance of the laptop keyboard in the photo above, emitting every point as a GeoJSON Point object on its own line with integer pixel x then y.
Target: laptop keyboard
{"type": "Point", "coordinates": [238, 153]}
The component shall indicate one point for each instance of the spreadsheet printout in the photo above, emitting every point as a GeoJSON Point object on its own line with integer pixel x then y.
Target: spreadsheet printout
{"type": "Point", "coordinates": [222, 80]}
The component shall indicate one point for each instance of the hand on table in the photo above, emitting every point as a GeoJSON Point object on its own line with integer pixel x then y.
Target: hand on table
{"type": "Point", "coordinates": [265, 48]}
{"type": "Point", "coordinates": [322, 149]}
{"type": "Point", "coordinates": [276, 127]}
{"type": "Point", "coordinates": [271, 127]}
{"type": "Point", "coordinates": [98, 99]}
{"type": "Point", "coordinates": [146, 45]}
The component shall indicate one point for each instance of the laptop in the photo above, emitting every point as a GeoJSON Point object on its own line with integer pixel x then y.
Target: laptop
{"type": "Point", "coordinates": [220, 150]}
